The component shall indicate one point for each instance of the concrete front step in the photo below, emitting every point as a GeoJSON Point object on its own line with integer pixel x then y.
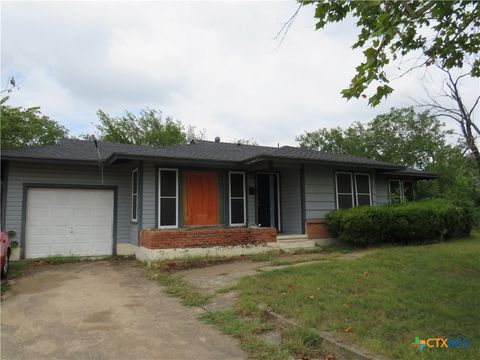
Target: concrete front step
{"type": "Point", "coordinates": [293, 245]}
{"type": "Point", "coordinates": [292, 237]}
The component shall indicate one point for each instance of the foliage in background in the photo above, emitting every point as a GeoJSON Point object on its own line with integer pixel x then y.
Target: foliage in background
{"type": "Point", "coordinates": [458, 177]}
{"type": "Point", "coordinates": [149, 127]}
{"type": "Point", "coordinates": [450, 104]}
{"type": "Point", "coordinates": [250, 141]}
{"type": "Point", "coordinates": [27, 127]}
{"type": "Point", "coordinates": [404, 137]}
{"type": "Point", "coordinates": [443, 32]}
{"type": "Point", "coordinates": [403, 223]}
{"type": "Point", "coordinates": [400, 136]}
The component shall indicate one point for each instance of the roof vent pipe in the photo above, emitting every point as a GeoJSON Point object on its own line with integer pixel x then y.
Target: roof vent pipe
{"type": "Point", "coordinates": [217, 138]}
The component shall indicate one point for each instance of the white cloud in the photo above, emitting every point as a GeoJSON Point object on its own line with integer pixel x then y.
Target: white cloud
{"type": "Point", "coordinates": [212, 65]}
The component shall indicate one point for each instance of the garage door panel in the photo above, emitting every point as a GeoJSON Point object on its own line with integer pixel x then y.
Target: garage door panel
{"type": "Point", "coordinates": [81, 213]}
{"type": "Point", "coordinates": [40, 230]}
{"type": "Point", "coordinates": [69, 222]}
{"type": "Point", "coordinates": [56, 230]}
{"type": "Point", "coordinates": [39, 213]}
{"type": "Point", "coordinates": [82, 230]}
{"type": "Point", "coordinates": [102, 230]}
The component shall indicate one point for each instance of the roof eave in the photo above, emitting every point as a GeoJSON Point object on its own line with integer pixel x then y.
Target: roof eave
{"type": "Point", "coordinates": [168, 159]}
{"type": "Point", "coordinates": [254, 160]}
{"type": "Point", "coordinates": [418, 175]}
{"type": "Point", "coordinates": [48, 160]}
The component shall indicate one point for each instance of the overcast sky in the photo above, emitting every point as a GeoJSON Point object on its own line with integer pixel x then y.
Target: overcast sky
{"type": "Point", "coordinates": [213, 65]}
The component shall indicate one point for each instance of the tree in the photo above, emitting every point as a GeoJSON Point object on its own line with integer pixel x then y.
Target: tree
{"type": "Point", "coordinates": [250, 141]}
{"type": "Point", "coordinates": [11, 85]}
{"type": "Point", "coordinates": [28, 127]}
{"type": "Point", "coordinates": [458, 177]}
{"type": "Point", "coordinates": [147, 128]}
{"type": "Point", "coordinates": [417, 140]}
{"type": "Point", "coordinates": [401, 136]}
{"type": "Point", "coordinates": [444, 32]}
{"type": "Point", "coordinates": [450, 104]}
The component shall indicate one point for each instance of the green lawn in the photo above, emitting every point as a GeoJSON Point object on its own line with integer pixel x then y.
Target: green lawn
{"type": "Point", "coordinates": [384, 300]}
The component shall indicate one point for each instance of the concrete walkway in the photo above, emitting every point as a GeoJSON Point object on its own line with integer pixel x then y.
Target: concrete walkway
{"type": "Point", "coordinates": [209, 279]}
{"type": "Point", "coordinates": [216, 279]}
{"type": "Point", "coordinates": [103, 310]}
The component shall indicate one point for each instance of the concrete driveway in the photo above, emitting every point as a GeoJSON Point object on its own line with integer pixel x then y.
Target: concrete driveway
{"type": "Point", "coordinates": [103, 310]}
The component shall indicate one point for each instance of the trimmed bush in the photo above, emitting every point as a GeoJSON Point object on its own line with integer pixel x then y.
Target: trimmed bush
{"type": "Point", "coordinates": [410, 222]}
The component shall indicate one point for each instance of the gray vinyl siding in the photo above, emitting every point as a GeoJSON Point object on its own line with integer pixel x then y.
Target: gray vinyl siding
{"type": "Point", "coordinates": [29, 172]}
{"type": "Point", "coordinates": [290, 200]}
{"type": "Point", "coordinates": [381, 183]}
{"type": "Point", "coordinates": [149, 193]}
{"type": "Point", "coordinates": [319, 191]}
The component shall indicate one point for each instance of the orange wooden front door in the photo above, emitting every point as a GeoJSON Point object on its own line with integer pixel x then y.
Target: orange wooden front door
{"type": "Point", "coordinates": [201, 198]}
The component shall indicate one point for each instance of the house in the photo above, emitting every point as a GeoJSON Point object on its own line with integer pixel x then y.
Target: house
{"type": "Point", "coordinates": [91, 198]}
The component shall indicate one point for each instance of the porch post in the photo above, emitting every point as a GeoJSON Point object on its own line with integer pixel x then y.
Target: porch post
{"type": "Point", "coordinates": [272, 194]}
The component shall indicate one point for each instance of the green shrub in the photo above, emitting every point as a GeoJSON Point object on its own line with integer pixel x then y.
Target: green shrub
{"type": "Point", "coordinates": [403, 223]}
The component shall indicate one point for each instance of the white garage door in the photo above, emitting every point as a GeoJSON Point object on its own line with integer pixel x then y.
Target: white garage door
{"type": "Point", "coordinates": [69, 222]}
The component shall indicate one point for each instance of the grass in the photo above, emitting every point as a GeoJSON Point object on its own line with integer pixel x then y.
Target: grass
{"type": "Point", "coordinates": [300, 342]}
{"type": "Point", "coordinates": [177, 286]}
{"type": "Point", "coordinates": [194, 262]}
{"type": "Point", "coordinates": [16, 270]}
{"type": "Point", "coordinates": [263, 257]}
{"type": "Point", "coordinates": [381, 301]}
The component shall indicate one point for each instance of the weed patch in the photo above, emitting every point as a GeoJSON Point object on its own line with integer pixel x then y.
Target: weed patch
{"type": "Point", "coordinates": [178, 287]}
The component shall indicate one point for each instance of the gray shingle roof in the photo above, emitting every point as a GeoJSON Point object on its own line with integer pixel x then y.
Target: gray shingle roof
{"type": "Point", "coordinates": [291, 152]}
{"type": "Point", "coordinates": [84, 150]}
{"type": "Point", "coordinates": [69, 149]}
{"type": "Point", "coordinates": [221, 151]}
{"type": "Point", "coordinates": [205, 150]}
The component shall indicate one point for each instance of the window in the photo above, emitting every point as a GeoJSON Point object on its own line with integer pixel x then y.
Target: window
{"type": "Point", "coordinates": [362, 189]}
{"type": "Point", "coordinates": [344, 190]}
{"type": "Point", "coordinates": [168, 198]}
{"type": "Point", "coordinates": [134, 194]}
{"type": "Point", "coordinates": [352, 189]}
{"type": "Point", "coordinates": [237, 198]}
{"type": "Point", "coordinates": [400, 191]}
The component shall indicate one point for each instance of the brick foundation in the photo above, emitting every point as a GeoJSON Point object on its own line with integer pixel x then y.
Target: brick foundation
{"type": "Point", "coordinates": [316, 229]}
{"type": "Point", "coordinates": [171, 239]}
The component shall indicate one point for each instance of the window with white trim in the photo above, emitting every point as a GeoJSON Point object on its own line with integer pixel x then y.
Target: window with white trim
{"type": "Point", "coordinates": [352, 189]}
{"type": "Point", "coordinates": [167, 198]}
{"type": "Point", "coordinates": [134, 195]}
{"type": "Point", "coordinates": [344, 188]}
{"type": "Point", "coordinates": [363, 190]}
{"type": "Point", "coordinates": [237, 198]}
{"type": "Point", "coordinates": [400, 191]}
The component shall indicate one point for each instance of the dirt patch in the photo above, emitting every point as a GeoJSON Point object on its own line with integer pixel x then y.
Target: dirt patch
{"type": "Point", "coordinates": [40, 283]}
{"type": "Point", "coordinates": [99, 317]}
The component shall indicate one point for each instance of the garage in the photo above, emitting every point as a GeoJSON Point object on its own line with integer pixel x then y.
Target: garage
{"type": "Point", "coordinates": [69, 222]}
